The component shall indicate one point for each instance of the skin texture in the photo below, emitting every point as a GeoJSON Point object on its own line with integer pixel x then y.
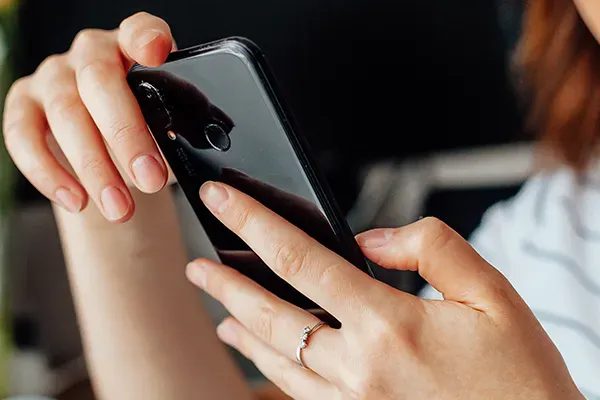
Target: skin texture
{"type": "Point", "coordinates": [83, 99]}
{"type": "Point", "coordinates": [482, 341]}
{"type": "Point", "coordinates": [75, 131]}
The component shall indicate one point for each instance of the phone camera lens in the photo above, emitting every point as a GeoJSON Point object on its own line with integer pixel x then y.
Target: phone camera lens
{"type": "Point", "coordinates": [148, 91]}
{"type": "Point", "coordinates": [152, 105]}
{"type": "Point", "coordinates": [217, 137]}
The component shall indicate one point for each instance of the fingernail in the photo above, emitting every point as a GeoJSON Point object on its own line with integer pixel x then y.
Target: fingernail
{"type": "Point", "coordinates": [114, 203]}
{"type": "Point", "coordinates": [68, 200]}
{"type": "Point", "coordinates": [374, 238]}
{"type": "Point", "coordinates": [226, 332]}
{"type": "Point", "coordinates": [196, 273]}
{"type": "Point", "coordinates": [148, 173]}
{"type": "Point", "coordinates": [146, 38]}
{"type": "Point", "coordinates": [214, 196]}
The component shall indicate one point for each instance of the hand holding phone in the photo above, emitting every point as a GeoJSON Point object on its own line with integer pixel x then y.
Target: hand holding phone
{"type": "Point", "coordinates": [481, 341]}
{"type": "Point", "coordinates": [75, 130]}
{"type": "Point", "coordinates": [216, 115]}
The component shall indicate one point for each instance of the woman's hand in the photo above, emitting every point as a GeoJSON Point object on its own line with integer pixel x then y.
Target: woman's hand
{"type": "Point", "coordinates": [80, 100]}
{"type": "Point", "coordinates": [481, 342]}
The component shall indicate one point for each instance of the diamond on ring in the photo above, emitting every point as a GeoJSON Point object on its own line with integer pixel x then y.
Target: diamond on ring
{"type": "Point", "coordinates": [306, 332]}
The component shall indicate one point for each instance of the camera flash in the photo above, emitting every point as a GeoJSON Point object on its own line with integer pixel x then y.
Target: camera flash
{"type": "Point", "coordinates": [172, 135]}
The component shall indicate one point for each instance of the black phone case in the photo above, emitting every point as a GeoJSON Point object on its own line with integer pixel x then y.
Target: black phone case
{"type": "Point", "coordinates": [206, 100]}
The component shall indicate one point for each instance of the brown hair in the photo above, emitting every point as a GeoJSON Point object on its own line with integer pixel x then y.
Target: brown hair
{"type": "Point", "coordinates": [559, 60]}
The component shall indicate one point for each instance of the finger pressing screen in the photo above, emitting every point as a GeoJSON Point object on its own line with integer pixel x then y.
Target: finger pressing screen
{"type": "Point", "coordinates": [317, 272]}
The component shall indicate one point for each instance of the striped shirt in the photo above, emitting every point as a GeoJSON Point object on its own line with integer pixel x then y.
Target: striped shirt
{"type": "Point", "coordinates": [546, 241]}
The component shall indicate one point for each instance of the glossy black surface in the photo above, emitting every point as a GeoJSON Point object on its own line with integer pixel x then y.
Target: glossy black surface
{"type": "Point", "coordinates": [215, 115]}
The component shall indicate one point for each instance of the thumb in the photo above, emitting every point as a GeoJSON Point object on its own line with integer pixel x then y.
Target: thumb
{"type": "Point", "coordinates": [442, 257]}
{"type": "Point", "coordinates": [145, 39]}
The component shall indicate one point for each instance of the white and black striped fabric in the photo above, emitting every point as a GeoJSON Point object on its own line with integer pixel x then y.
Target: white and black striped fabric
{"type": "Point", "coordinates": [546, 241]}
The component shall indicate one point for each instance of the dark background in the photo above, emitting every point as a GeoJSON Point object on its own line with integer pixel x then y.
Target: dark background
{"type": "Point", "coordinates": [366, 79]}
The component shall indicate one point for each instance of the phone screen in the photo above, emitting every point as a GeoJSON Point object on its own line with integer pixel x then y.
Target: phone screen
{"type": "Point", "coordinates": [214, 119]}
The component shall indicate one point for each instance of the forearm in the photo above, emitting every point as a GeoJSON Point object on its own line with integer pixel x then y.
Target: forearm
{"type": "Point", "coordinates": [145, 331]}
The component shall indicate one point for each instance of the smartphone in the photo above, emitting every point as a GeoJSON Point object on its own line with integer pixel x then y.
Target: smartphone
{"type": "Point", "coordinates": [216, 114]}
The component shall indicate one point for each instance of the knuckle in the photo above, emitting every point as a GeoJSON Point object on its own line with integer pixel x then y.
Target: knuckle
{"type": "Point", "coordinates": [35, 169]}
{"type": "Point", "coordinates": [37, 174]}
{"type": "Point", "coordinates": [406, 338]}
{"type": "Point", "coordinates": [403, 335]}
{"type": "Point", "coordinates": [433, 224]}
{"type": "Point", "coordinates": [18, 89]}
{"type": "Point", "coordinates": [385, 331]}
{"type": "Point", "coordinates": [123, 132]}
{"type": "Point", "coordinates": [389, 331]}
{"type": "Point", "coordinates": [64, 104]}
{"type": "Point", "coordinates": [87, 38]}
{"type": "Point", "coordinates": [14, 115]}
{"type": "Point", "coordinates": [13, 140]}
{"type": "Point", "coordinates": [52, 67]}
{"type": "Point", "coordinates": [96, 73]}
{"type": "Point", "coordinates": [434, 234]}
{"type": "Point", "coordinates": [91, 164]}
{"type": "Point", "coordinates": [243, 218]}
{"type": "Point", "coordinates": [330, 275]}
{"type": "Point", "coordinates": [263, 325]}
{"type": "Point", "coordinates": [290, 258]}
{"type": "Point", "coordinates": [381, 327]}
{"type": "Point", "coordinates": [499, 288]}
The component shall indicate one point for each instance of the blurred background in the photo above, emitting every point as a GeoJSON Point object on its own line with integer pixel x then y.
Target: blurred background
{"type": "Point", "coordinates": [409, 106]}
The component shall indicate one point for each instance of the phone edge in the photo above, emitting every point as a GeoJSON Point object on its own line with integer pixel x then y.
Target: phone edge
{"type": "Point", "coordinates": [299, 143]}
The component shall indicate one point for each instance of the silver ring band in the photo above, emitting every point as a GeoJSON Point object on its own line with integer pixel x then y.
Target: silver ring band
{"type": "Point", "coordinates": [306, 332]}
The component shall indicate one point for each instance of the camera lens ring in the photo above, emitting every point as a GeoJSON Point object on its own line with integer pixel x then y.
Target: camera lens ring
{"type": "Point", "coordinates": [217, 137]}
{"type": "Point", "coordinates": [149, 90]}
{"type": "Point", "coordinates": [154, 102]}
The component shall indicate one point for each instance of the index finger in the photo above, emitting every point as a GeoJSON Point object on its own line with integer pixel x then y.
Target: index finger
{"type": "Point", "coordinates": [319, 273]}
{"type": "Point", "coordinates": [291, 207]}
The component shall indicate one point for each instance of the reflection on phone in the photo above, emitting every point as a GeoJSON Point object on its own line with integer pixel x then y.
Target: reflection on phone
{"type": "Point", "coordinates": [213, 120]}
